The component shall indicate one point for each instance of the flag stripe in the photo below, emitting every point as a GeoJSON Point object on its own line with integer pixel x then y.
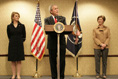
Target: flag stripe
{"type": "Point", "coordinates": [35, 25]}
{"type": "Point", "coordinates": [35, 50]}
{"type": "Point", "coordinates": [37, 42]}
{"type": "Point", "coordinates": [42, 53]}
{"type": "Point", "coordinates": [35, 36]}
{"type": "Point", "coordinates": [39, 47]}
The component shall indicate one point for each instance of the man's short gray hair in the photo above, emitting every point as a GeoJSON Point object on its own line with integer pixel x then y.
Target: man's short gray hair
{"type": "Point", "coordinates": [50, 7]}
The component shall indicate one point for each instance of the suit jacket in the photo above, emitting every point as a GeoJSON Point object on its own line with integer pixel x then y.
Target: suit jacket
{"type": "Point", "coordinates": [52, 37]}
{"type": "Point", "coordinates": [101, 36]}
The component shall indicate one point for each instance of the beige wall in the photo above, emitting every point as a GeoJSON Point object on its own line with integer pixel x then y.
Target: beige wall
{"type": "Point", "coordinates": [88, 11]}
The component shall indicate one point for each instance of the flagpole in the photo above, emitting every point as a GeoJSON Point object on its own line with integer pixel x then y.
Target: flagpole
{"type": "Point", "coordinates": [77, 71]}
{"type": "Point", "coordinates": [77, 74]}
{"type": "Point", "coordinates": [36, 75]}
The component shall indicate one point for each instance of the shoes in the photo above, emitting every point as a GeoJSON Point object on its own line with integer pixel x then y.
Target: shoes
{"type": "Point", "coordinates": [97, 77]}
{"type": "Point", "coordinates": [13, 78]}
{"type": "Point", "coordinates": [18, 78]}
{"type": "Point", "coordinates": [104, 77]}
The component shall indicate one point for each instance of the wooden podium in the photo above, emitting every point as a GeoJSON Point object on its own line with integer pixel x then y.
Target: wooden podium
{"type": "Point", "coordinates": [58, 28]}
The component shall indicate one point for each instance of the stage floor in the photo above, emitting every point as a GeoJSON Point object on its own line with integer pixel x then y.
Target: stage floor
{"type": "Point", "coordinates": [67, 77]}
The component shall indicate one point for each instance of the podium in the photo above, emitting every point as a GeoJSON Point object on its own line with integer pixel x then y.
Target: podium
{"type": "Point", "coordinates": [58, 28]}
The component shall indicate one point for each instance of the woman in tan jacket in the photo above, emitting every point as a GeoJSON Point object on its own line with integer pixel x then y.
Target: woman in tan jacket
{"type": "Point", "coordinates": [101, 37]}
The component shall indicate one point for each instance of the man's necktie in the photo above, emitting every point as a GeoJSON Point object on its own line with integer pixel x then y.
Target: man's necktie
{"type": "Point", "coordinates": [55, 20]}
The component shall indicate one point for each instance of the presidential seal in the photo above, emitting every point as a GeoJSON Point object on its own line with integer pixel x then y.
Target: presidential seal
{"type": "Point", "coordinates": [59, 27]}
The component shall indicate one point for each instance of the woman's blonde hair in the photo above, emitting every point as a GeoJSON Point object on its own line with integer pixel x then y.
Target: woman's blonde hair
{"type": "Point", "coordinates": [12, 15]}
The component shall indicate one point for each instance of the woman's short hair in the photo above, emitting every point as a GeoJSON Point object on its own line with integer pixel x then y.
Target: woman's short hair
{"type": "Point", "coordinates": [101, 16]}
{"type": "Point", "coordinates": [12, 15]}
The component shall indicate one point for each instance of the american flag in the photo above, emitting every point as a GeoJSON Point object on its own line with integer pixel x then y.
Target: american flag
{"type": "Point", "coordinates": [38, 38]}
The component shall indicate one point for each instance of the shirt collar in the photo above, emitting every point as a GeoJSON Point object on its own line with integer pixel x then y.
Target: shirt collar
{"type": "Point", "coordinates": [53, 17]}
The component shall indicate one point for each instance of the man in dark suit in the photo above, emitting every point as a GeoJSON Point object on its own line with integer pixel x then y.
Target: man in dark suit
{"type": "Point", "coordinates": [52, 43]}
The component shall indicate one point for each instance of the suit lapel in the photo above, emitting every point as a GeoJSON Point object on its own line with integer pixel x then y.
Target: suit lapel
{"type": "Point", "coordinates": [59, 19]}
{"type": "Point", "coordinates": [52, 20]}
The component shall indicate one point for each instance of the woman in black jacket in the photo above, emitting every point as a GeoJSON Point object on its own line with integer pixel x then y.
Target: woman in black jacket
{"type": "Point", "coordinates": [16, 34]}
